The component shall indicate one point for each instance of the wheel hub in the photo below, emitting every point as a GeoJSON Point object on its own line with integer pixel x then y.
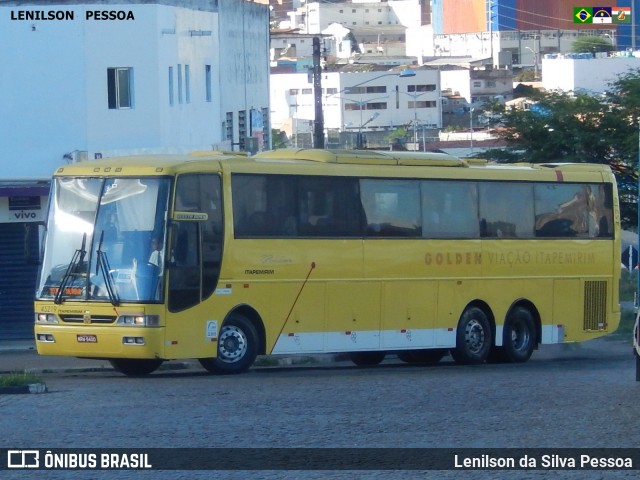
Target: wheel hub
{"type": "Point", "coordinates": [474, 336]}
{"type": "Point", "coordinates": [233, 344]}
{"type": "Point", "coordinates": [519, 336]}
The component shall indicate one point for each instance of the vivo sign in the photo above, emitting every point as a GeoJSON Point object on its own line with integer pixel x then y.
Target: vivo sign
{"type": "Point", "coordinates": [16, 209]}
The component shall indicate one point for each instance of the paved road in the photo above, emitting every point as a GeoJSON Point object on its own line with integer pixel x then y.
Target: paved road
{"type": "Point", "coordinates": [565, 396]}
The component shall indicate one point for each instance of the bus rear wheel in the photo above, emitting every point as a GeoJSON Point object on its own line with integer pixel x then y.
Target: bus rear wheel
{"type": "Point", "coordinates": [237, 347]}
{"type": "Point", "coordinates": [519, 337]}
{"type": "Point", "coordinates": [135, 367]}
{"type": "Point", "coordinates": [473, 337]}
{"type": "Point", "coordinates": [363, 359]}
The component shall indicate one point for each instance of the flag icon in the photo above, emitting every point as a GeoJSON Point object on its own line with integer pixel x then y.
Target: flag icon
{"type": "Point", "coordinates": [602, 15]}
{"type": "Point", "coordinates": [621, 14]}
{"type": "Point", "coordinates": [582, 15]}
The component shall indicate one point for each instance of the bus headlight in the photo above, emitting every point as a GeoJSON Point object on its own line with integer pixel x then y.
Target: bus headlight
{"type": "Point", "coordinates": [46, 318]}
{"type": "Point", "coordinates": [139, 320]}
{"type": "Point", "coordinates": [46, 338]}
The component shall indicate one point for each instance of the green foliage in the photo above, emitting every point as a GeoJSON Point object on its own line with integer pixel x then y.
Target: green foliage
{"type": "Point", "coordinates": [525, 76]}
{"type": "Point", "coordinates": [625, 329]}
{"type": "Point", "coordinates": [562, 127]}
{"type": "Point", "coordinates": [526, 91]}
{"type": "Point", "coordinates": [278, 138]}
{"type": "Point", "coordinates": [628, 285]}
{"type": "Point", "coordinates": [398, 134]}
{"type": "Point", "coordinates": [592, 44]}
{"type": "Point", "coordinates": [355, 48]}
{"type": "Point", "coordinates": [18, 379]}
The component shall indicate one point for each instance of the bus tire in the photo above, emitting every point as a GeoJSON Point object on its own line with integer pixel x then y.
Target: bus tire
{"type": "Point", "coordinates": [473, 337]}
{"type": "Point", "coordinates": [363, 359]}
{"type": "Point", "coordinates": [135, 367]}
{"type": "Point", "coordinates": [429, 356]}
{"type": "Point", "coordinates": [519, 337]}
{"type": "Point", "coordinates": [237, 347]}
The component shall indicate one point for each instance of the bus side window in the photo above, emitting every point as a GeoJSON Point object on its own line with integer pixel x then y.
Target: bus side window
{"type": "Point", "coordinates": [573, 210]}
{"type": "Point", "coordinates": [449, 209]}
{"type": "Point", "coordinates": [392, 207]}
{"type": "Point", "coordinates": [508, 209]}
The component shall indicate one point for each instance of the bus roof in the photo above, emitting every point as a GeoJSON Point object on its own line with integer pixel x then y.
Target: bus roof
{"type": "Point", "coordinates": [366, 157]}
{"type": "Point", "coordinates": [154, 164]}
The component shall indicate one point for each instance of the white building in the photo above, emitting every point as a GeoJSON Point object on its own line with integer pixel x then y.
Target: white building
{"type": "Point", "coordinates": [518, 47]}
{"type": "Point", "coordinates": [361, 17]}
{"type": "Point", "coordinates": [171, 76]}
{"type": "Point", "coordinates": [357, 102]}
{"type": "Point", "coordinates": [185, 74]}
{"type": "Point", "coordinates": [291, 44]}
{"type": "Point", "coordinates": [583, 73]}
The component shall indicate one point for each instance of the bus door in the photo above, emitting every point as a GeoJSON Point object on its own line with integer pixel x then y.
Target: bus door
{"type": "Point", "coordinates": [195, 254]}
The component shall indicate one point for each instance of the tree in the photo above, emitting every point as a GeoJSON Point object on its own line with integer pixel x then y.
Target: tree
{"type": "Point", "coordinates": [592, 44]}
{"type": "Point", "coordinates": [278, 138]}
{"type": "Point", "coordinates": [562, 127]}
{"type": "Point", "coordinates": [396, 137]}
{"type": "Point", "coordinates": [623, 101]}
{"type": "Point", "coordinates": [355, 48]}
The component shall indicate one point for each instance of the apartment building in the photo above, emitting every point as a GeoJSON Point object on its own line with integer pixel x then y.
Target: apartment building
{"type": "Point", "coordinates": [88, 79]}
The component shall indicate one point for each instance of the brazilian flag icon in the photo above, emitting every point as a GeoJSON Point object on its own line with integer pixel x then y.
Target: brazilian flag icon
{"type": "Point", "coordinates": [582, 15]}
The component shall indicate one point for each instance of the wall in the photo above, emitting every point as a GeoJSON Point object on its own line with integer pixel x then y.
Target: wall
{"type": "Point", "coordinates": [458, 81]}
{"type": "Point", "coordinates": [244, 58]}
{"type": "Point", "coordinates": [590, 74]}
{"type": "Point", "coordinates": [315, 17]}
{"type": "Point", "coordinates": [40, 120]}
{"type": "Point", "coordinates": [56, 82]}
{"type": "Point", "coordinates": [459, 16]}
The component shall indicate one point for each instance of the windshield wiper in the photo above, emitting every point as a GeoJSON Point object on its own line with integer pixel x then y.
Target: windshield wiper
{"type": "Point", "coordinates": [102, 266]}
{"type": "Point", "coordinates": [72, 270]}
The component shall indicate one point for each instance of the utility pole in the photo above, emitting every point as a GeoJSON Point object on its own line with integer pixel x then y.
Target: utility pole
{"type": "Point", "coordinates": [633, 25]}
{"type": "Point", "coordinates": [490, 13]}
{"type": "Point", "coordinates": [318, 124]}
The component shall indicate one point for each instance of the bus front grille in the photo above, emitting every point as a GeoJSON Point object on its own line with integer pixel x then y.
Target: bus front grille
{"type": "Point", "coordinates": [89, 320]}
{"type": "Point", "coordinates": [595, 305]}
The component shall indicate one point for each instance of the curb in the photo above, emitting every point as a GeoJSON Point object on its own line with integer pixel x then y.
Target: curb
{"type": "Point", "coordinates": [22, 389]}
{"type": "Point", "coordinates": [262, 362]}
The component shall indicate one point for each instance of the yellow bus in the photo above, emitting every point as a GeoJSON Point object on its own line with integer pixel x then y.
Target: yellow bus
{"type": "Point", "coordinates": [222, 258]}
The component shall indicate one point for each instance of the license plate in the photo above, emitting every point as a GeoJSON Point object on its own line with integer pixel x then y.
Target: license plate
{"type": "Point", "coordinates": [87, 339]}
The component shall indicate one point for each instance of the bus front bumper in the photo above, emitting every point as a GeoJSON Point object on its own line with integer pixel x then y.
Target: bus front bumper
{"type": "Point", "coordinates": [105, 342]}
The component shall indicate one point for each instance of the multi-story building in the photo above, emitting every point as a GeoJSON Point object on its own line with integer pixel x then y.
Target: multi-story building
{"type": "Point", "coordinates": [515, 31]}
{"type": "Point", "coordinates": [85, 79]}
{"type": "Point", "coordinates": [313, 17]}
{"type": "Point", "coordinates": [355, 103]}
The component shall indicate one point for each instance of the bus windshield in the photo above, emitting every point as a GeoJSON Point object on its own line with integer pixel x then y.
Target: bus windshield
{"type": "Point", "coordinates": [105, 240]}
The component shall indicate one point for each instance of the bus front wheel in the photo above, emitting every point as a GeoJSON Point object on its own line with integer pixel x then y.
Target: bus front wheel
{"type": "Point", "coordinates": [237, 347]}
{"type": "Point", "coordinates": [473, 337]}
{"type": "Point", "coordinates": [135, 367]}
